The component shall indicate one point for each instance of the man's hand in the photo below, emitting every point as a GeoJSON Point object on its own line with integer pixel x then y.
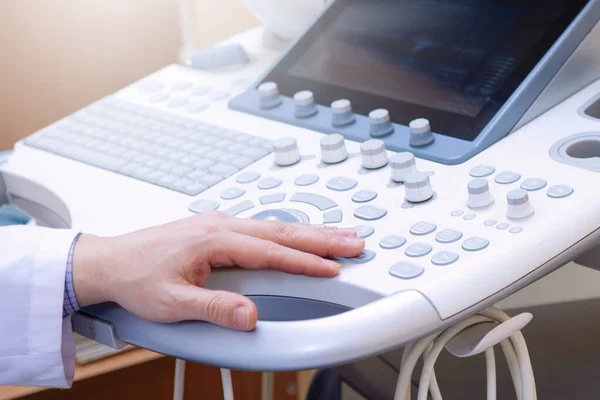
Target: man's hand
{"type": "Point", "coordinates": [158, 273]}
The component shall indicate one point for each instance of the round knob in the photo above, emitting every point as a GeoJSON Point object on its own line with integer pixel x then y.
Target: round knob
{"type": "Point", "coordinates": [269, 95]}
{"type": "Point", "coordinates": [373, 154]}
{"type": "Point", "coordinates": [402, 164]}
{"type": "Point", "coordinates": [305, 104]}
{"type": "Point", "coordinates": [518, 204]}
{"type": "Point", "coordinates": [479, 194]}
{"type": "Point", "coordinates": [333, 149]}
{"type": "Point", "coordinates": [420, 133]}
{"type": "Point", "coordinates": [381, 124]}
{"type": "Point", "coordinates": [286, 151]}
{"type": "Point", "coordinates": [418, 187]}
{"type": "Point", "coordinates": [341, 113]}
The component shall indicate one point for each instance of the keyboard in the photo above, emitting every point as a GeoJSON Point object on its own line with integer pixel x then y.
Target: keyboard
{"type": "Point", "coordinates": [153, 146]}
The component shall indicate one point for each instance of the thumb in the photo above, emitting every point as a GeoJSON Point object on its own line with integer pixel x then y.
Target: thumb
{"type": "Point", "coordinates": [227, 309]}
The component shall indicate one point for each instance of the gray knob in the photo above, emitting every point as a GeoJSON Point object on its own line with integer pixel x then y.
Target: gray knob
{"type": "Point", "coordinates": [341, 113]}
{"type": "Point", "coordinates": [402, 164]}
{"type": "Point", "coordinates": [479, 194]}
{"type": "Point", "coordinates": [374, 154]}
{"type": "Point", "coordinates": [305, 104]}
{"type": "Point", "coordinates": [333, 149]}
{"type": "Point", "coordinates": [286, 151]}
{"type": "Point", "coordinates": [269, 95]}
{"type": "Point", "coordinates": [381, 124]}
{"type": "Point", "coordinates": [418, 187]}
{"type": "Point", "coordinates": [420, 133]}
{"type": "Point", "coordinates": [519, 205]}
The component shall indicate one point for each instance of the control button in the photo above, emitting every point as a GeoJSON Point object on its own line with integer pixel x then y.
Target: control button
{"type": "Point", "coordinates": [341, 184]}
{"type": "Point", "coordinates": [196, 107]}
{"type": "Point", "coordinates": [392, 242]}
{"type": "Point", "coordinates": [374, 154]}
{"type": "Point", "coordinates": [181, 85]}
{"type": "Point", "coordinates": [306, 180]}
{"type": "Point", "coordinates": [381, 125]}
{"type": "Point", "coordinates": [232, 193]}
{"type": "Point", "coordinates": [305, 104]}
{"type": "Point", "coordinates": [269, 183]}
{"type": "Point", "coordinates": [272, 198]}
{"type": "Point", "coordinates": [504, 178]}
{"type": "Point", "coordinates": [503, 226]}
{"type": "Point", "coordinates": [333, 149]}
{"type": "Point", "coordinates": [420, 133]}
{"type": "Point", "coordinates": [158, 97]}
{"type": "Point", "coordinates": [490, 222]}
{"type": "Point", "coordinates": [200, 90]}
{"type": "Point", "coordinates": [332, 217]}
{"type": "Point", "coordinates": [418, 250]}
{"type": "Point", "coordinates": [533, 184]}
{"type": "Point", "coordinates": [475, 244]}
{"type": "Point", "coordinates": [469, 217]}
{"type": "Point", "coordinates": [457, 213]}
{"type": "Point", "coordinates": [516, 229]}
{"type": "Point", "coordinates": [240, 208]}
{"type": "Point", "coordinates": [321, 202]}
{"type": "Point", "coordinates": [479, 194]}
{"type": "Point", "coordinates": [423, 228]}
{"type": "Point", "coordinates": [418, 187]}
{"type": "Point", "coordinates": [404, 270]}
{"type": "Point", "coordinates": [363, 231]}
{"type": "Point", "coordinates": [364, 196]}
{"type": "Point", "coordinates": [448, 236]}
{"type": "Point", "coordinates": [203, 205]}
{"type": "Point", "coordinates": [519, 205]}
{"type": "Point", "coordinates": [269, 95]}
{"type": "Point", "coordinates": [481, 171]}
{"type": "Point", "coordinates": [300, 216]}
{"type": "Point", "coordinates": [217, 95]}
{"type": "Point", "coordinates": [444, 258]}
{"type": "Point", "coordinates": [341, 113]}
{"type": "Point", "coordinates": [151, 86]}
{"type": "Point", "coordinates": [247, 177]}
{"type": "Point", "coordinates": [275, 215]}
{"type": "Point", "coordinates": [286, 151]}
{"type": "Point", "coordinates": [560, 191]}
{"type": "Point", "coordinates": [178, 101]}
{"type": "Point", "coordinates": [363, 258]}
{"type": "Point", "coordinates": [402, 164]}
{"type": "Point", "coordinates": [370, 213]}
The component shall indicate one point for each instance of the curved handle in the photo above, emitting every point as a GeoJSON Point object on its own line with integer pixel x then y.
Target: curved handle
{"type": "Point", "coordinates": [283, 346]}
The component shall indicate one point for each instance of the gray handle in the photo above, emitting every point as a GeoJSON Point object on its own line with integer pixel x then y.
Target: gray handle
{"type": "Point", "coordinates": [283, 346]}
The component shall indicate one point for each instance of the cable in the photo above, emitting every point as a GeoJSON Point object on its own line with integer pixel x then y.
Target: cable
{"type": "Point", "coordinates": [267, 386]}
{"type": "Point", "coordinates": [490, 365]}
{"type": "Point", "coordinates": [513, 366]}
{"type": "Point", "coordinates": [179, 379]}
{"type": "Point", "coordinates": [227, 385]}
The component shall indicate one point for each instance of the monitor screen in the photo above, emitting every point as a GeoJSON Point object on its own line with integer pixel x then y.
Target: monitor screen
{"type": "Point", "coordinates": [455, 62]}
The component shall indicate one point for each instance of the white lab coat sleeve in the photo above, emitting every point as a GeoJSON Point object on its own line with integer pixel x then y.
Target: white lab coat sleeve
{"type": "Point", "coordinates": [36, 344]}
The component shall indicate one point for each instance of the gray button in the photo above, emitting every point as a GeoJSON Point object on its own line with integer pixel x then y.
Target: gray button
{"type": "Point", "coordinates": [478, 186]}
{"type": "Point", "coordinates": [321, 202]}
{"type": "Point", "coordinates": [370, 213]}
{"type": "Point", "coordinates": [503, 226]}
{"type": "Point", "coordinates": [507, 177]}
{"type": "Point", "coordinates": [490, 222]}
{"type": "Point", "coordinates": [533, 184]}
{"type": "Point", "coordinates": [418, 250]}
{"type": "Point", "coordinates": [444, 258]}
{"type": "Point", "coordinates": [516, 229]}
{"type": "Point", "coordinates": [363, 231]}
{"type": "Point", "coordinates": [422, 228]}
{"type": "Point", "coordinates": [232, 193]}
{"type": "Point", "coordinates": [240, 208]}
{"type": "Point", "coordinates": [469, 217]}
{"type": "Point", "coordinates": [560, 191]}
{"type": "Point", "coordinates": [332, 217]}
{"type": "Point", "coordinates": [482, 171]}
{"type": "Point", "coordinates": [272, 198]}
{"type": "Point", "coordinates": [475, 244]}
{"type": "Point", "coordinates": [457, 213]}
{"type": "Point", "coordinates": [203, 205]}
{"type": "Point", "coordinates": [448, 236]}
{"type": "Point", "coordinates": [247, 177]}
{"type": "Point", "coordinates": [341, 183]}
{"type": "Point", "coordinates": [392, 242]}
{"type": "Point", "coordinates": [269, 183]}
{"type": "Point", "coordinates": [404, 270]}
{"type": "Point", "coordinates": [364, 196]}
{"type": "Point", "coordinates": [306, 180]}
{"type": "Point", "coordinates": [363, 258]}
{"type": "Point", "coordinates": [517, 197]}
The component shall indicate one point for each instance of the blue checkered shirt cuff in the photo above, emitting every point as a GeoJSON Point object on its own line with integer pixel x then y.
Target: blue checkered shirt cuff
{"type": "Point", "coordinates": [70, 304]}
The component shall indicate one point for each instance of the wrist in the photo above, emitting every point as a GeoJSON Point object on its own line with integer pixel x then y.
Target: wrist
{"type": "Point", "coordinates": [89, 265]}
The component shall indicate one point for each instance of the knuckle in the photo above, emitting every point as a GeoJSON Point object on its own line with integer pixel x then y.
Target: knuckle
{"type": "Point", "coordinates": [272, 249]}
{"type": "Point", "coordinates": [215, 215]}
{"type": "Point", "coordinates": [215, 309]}
{"type": "Point", "coordinates": [212, 228]}
{"type": "Point", "coordinates": [283, 231]}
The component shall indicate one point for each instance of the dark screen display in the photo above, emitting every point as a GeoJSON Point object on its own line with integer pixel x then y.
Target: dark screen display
{"type": "Point", "coordinates": [453, 62]}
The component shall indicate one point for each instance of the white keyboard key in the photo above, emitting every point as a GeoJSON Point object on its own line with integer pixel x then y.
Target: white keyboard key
{"type": "Point", "coordinates": [181, 183]}
{"type": "Point", "coordinates": [176, 156]}
{"type": "Point", "coordinates": [223, 144]}
{"type": "Point", "coordinates": [154, 176]}
{"type": "Point", "coordinates": [176, 143]}
{"type": "Point", "coordinates": [196, 174]}
{"type": "Point", "coordinates": [130, 154]}
{"type": "Point", "coordinates": [237, 148]}
{"type": "Point", "coordinates": [117, 151]}
{"type": "Point", "coordinates": [203, 164]}
{"type": "Point", "coordinates": [215, 154]}
{"type": "Point", "coordinates": [181, 170]}
{"type": "Point", "coordinates": [142, 158]}
{"type": "Point", "coordinates": [167, 166]}
{"type": "Point", "coordinates": [190, 159]}
{"type": "Point", "coordinates": [195, 188]}
{"type": "Point", "coordinates": [167, 180]}
{"type": "Point", "coordinates": [228, 158]}
{"type": "Point", "coordinates": [210, 180]}
{"type": "Point", "coordinates": [129, 168]}
{"type": "Point", "coordinates": [254, 153]}
{"type": "Point", "coordinates": [154, 162]}
{"type": "Point", "coordinates": [241, 162]}
{"type": "Point", "coordinates": [201, 151]}
{"type": "Point", "coordinates": [164, 152]}
{"type": "Point", "coordinates": [141, 172]}
{"type": "Point", "coordinates": [222, 170]}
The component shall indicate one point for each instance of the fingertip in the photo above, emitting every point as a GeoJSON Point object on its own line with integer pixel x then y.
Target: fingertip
{"type": "Point", "coordinates": [245, 316]}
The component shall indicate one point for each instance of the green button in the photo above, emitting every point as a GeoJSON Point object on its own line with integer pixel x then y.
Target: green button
{"type": "Point", "coordinates": [475, 244]}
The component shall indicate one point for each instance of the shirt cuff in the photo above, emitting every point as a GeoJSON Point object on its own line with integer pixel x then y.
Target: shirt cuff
{"type": "Point", "coordinates": [70, 303]}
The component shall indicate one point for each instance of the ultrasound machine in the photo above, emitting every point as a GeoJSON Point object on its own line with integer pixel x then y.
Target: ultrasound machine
{"type": "Point", "coordinates": [461, 138]}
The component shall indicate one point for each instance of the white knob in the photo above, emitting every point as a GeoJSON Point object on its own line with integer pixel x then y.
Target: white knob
{"type": "Point", "coordinates": [479, 194]}
{"type": "Point", "coordinates": [269, 95]}
{"type": "Point", "coordinates": [286, 151]}
{"type": "Point", "coordinates": [418, 187]}
{"type": "Point", "coordinates": [519, 206]}
{"type": "Point", "coordinates": [333, 149]}
{"type": "Point", "coordinates": [402, 164]}
{"type": "Point", "coordinates": [373, 154]}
